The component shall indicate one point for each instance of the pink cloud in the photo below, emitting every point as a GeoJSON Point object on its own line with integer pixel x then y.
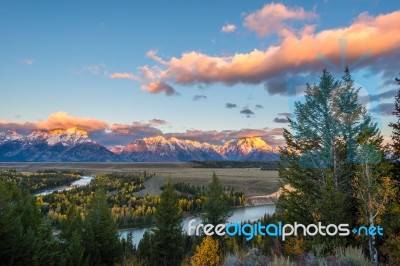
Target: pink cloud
{"type": "Point", "coordinates": [157, 87]}
{"type": "Point", "coordinates": [63, 120]}
{"type": "Point", "coordinates": [125, 75]}
{"type": "Point", "coordinates": [58, 120]}
{"type": "Point", "coordinates": [272, 19]}
{"type": "Point", "coordinates": [295, 55]}
{"type": "Point", "coordinates": [157, 122]}
{"type": "Point", "coordinates": [228, 28]}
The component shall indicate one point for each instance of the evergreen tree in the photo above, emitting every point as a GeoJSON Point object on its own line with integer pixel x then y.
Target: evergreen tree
{"type": "Point", "coordinates": [47, 247]}
{"type": "Point", "coordinates": [145, 247]}
{"type": "Point", "coordinates": [319, 159]}
{"type": "Point", "coordinates": [215, 206]}
{"type": "Point", "coordinates": [75, 251]}
{"type": "Point", "coordinates": [19, 220]}
{"type": "Point", "coordinates": [101, 237]}
{"type": "Point", "coordinates": [167, 247]}
{"type": "Point", "coordinates": [396, 134]}
{"type": "Point", "coordinates": [391, 244]}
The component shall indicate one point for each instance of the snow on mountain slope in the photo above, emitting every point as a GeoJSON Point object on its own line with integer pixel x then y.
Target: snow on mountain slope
{"type": "Point", "coordinates": [9, 135]}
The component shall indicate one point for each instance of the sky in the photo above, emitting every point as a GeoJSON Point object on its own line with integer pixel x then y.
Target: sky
{"type": "Point", "coordinates": [201, 70]}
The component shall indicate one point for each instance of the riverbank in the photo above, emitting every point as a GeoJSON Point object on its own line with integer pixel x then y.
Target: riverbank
{"type": "Point", "coordinates": [266, 199]}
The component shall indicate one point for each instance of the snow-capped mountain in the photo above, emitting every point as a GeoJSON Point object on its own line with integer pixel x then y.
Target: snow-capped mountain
{"type": "Point", "coordinates": [75, 145]}
{"type": "Point", "coordinates": [9, 135]}
{"type": "Point", "coordinates": [161, 149]}
{"type": "Point", "coordinates": [71, 144]}
{"type": "Point", "coordinates": [248, 149]}
{"type": "Point", "coordinates": [172, 149]}
{"type": "Point", "coordinates": [68, 137]}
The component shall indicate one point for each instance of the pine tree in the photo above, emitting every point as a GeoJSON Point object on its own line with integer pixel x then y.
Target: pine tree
{"type": "Point", "coordinates": [319, 159]}
{"type": "Point", "coordinates": [396, 134]}
{"type": "Point", "coordinates": [167, 247]}
{"type": "Point", "coordinates": [47, 247]}
{"type": "Point", "coordinates": [101, 240]}
{"type": "Point", "coordinates": [215, 207]}
{"type": "Point", "coordinates": [19, 220]}
{"type": "Point", "coordinates": [391, 245]}
{"type": "Point", "coordinates": [144, 247]}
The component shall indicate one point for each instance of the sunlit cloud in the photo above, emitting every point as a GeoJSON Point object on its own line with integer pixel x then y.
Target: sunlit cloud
{"type": "Point", "coordinates": [295, 58]}
{"type": "Point", "coordinates": [157, 122]}
{"type": "Point", "coordinates": [125, 75]}
{"type": "Point", "coordinates": [274, 18]}
{"type": "Point", "coordinates": [228, 28]}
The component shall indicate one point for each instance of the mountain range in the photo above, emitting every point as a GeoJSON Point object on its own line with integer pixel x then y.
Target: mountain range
{"type": "Point", "coordinates": [75, 145]}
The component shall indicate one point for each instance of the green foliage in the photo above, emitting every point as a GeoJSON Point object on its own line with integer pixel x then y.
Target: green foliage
{"type": "Point", "coordinates": [167, 248]}
{"type": "Point", "coordinates": [215, 207]}
{"type": "Point", "coordinates": [145, 247]}
{"type": "Point", "coordinates": [319, 161]}
{"type": "Point", "coordinates": [19, 220]}
{"type": "Point", "coordinates": [47, 248]}
{"type": "Point", "coordinates": [101, 237]}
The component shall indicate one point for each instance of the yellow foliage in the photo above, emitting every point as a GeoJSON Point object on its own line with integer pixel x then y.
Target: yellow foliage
{"type": "Point", "coordinates": [207, 253]}
{"type": "Point", "coordinates": [294, 246]}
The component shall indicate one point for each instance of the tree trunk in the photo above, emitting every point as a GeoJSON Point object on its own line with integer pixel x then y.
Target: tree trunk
{"type": "Point", "coordinates": [373, 252]}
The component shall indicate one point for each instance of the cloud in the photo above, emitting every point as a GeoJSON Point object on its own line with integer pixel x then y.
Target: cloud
{"type": "Point", "coordinates": [247, 112]}
{"type": "Point", "coordinates": [157, 122]}
{"type": "Point", "coordinates": [158, 87]}
{"type": "Point", "coordinates": [58, 120]}
{"type": "Point", "coordinates": [273, 18]}
{"type": "Point", "coordinates": [377, 97]}
{"type": "Point", "coordinates": [153, 55]}
{"type": "Point", "coordinates": [284, 114]}
{"type": "Point", "coordinates": [385, 109]}
{"type": "Point", "coordinates": [122, 134]}
{"type": "Point", "coordinates": [28, 61]}
{"type": "Point", "coordinates": [199, 97]}
{"type": "Point", "coordinates": [94, 69]}
{"type": "Point", "coordinates": [228, 28]}
{"type": "Point", "coordinates": [281, 120]}
{"type": "Point", "coordinates": [125, 75]}
{"type": "Point", "coordinates": [259, 106]}
{"type": "Point", "coordinates": [294, 60]}
{"type": "Point", "coordinates": [64, 120]}
{"type": "Point", "coordinates": [230, 105]}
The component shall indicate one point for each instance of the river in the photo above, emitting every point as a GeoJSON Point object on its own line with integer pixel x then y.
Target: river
{"type": "Point", "coordinates": [248, 213]}
{"type": "Point", "coordinates": [83, 181]}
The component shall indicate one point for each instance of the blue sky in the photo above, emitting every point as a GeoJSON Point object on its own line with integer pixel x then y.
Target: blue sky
{"type": "Point", "coordinates": [61, 57]}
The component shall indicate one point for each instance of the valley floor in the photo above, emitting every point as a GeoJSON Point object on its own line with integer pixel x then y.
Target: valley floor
{"type": "Point", "coordinates": [251, 181]}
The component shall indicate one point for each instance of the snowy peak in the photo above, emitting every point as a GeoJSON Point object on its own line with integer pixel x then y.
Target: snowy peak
{"type": "Point", "coordinates": [66, 137]}
{"type": "Point", "coordinates": [173, 149]}
{"type": "Point", "coordinates": [9, 135]}
{"type": "Point", "coordinates": [245, 146]}
{"type": "Point", "coordinates": [248, 149]}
